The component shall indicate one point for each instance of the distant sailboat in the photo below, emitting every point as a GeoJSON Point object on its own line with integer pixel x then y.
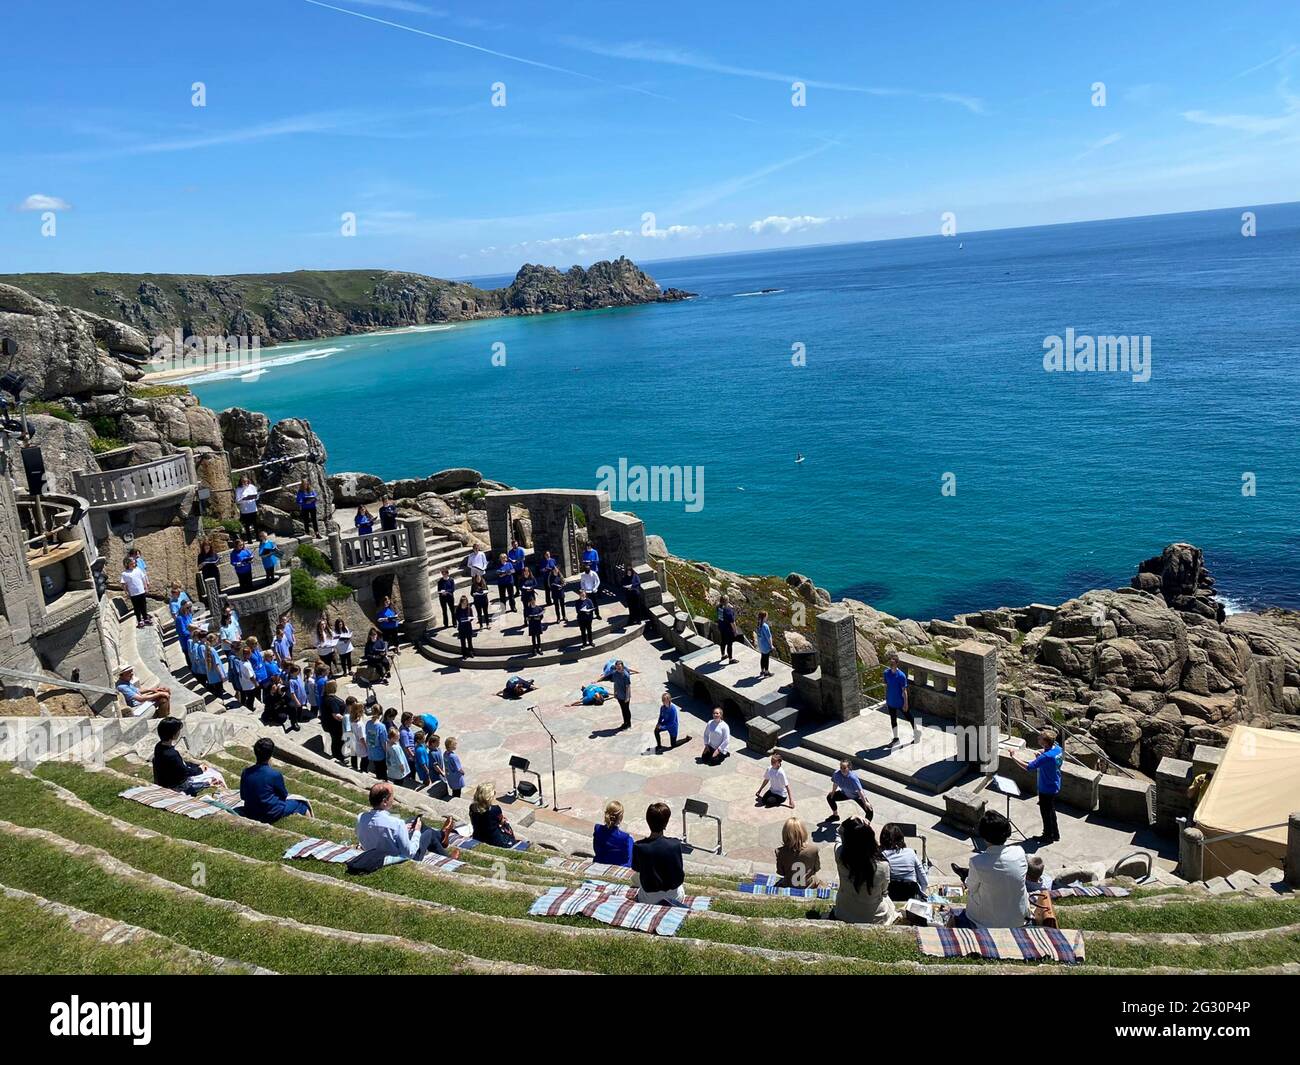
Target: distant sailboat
{"type": "Point", "coordinates": [961, 244]}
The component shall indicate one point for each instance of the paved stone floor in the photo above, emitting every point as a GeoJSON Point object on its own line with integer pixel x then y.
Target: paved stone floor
{"type": "Point", "coordinates": [595, 761]}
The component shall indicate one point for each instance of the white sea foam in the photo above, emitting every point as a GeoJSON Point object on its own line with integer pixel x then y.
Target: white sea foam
{"type": "Point", "coordinates": [244, 373]}
{"type": "Point", "coordinates": [765, 292]}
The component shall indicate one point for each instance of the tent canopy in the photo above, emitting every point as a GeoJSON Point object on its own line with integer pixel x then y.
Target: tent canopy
{"type": "Point", "coordinates": [1256, 784]}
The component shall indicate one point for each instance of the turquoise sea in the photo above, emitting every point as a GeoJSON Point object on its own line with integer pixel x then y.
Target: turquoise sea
{"type": "Point", "coordinates": [924, 358]}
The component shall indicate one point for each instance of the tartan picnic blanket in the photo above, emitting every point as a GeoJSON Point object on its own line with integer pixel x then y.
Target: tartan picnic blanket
{"type": "Point", "coordinates": [325, 850]}
{"type": "Point", "coordinates": [615, 905]}
{"type": "Point", "coordinates": [756, 888]}
{"type": "Point", "coordinates": [1090, 891]}
{"type": "Point", "coordinates": [467, 843]}
{"type": "Point", "coordinates": [172, 801]}
{"type": "Point", "coordinates": [587, 867]}
{"type": "Point", "coordinates": [1030, 943]}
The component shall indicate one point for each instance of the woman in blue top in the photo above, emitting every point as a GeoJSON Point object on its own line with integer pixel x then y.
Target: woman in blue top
{"type": "Point", "coordinates": [184, 620]}
{"type": "Point", "coordinates": [377, 743]}
{"type": "Point", "coordinates": [451, 763]}
{"type": "Point", "coordinates": [727, 630]}
{"type": "Point", "coordinates": [763, 639]}
{"type": "Point", "coordinates": [364, 521]}
{"type": "Point", "coordinates": [610, 844]}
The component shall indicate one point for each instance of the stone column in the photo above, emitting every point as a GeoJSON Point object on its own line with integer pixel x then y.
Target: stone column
{"type": "Point", "coordinates": [977, 704]}
{"type": "Point", "coordinates": [837, 650]}
{"type": "Point", "coordinates": [336, 551]}
{"type": "Point", "coordinates": [498, 515]}
{"type": "Point", "coordinates": [1292, 870]}
{"type": "Point", "coordinates": [413, 582]}
{"type": "Point", "coordinates": [1191, 843]}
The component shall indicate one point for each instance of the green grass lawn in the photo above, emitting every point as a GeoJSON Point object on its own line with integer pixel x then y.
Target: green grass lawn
{"type": "Point", "coordinates": [63, 951]}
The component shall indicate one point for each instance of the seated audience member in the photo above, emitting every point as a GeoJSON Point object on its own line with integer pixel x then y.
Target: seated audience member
{"type": "Point", "coordinates": [847, 786]}
{"type": "Point", "coordinates": [488, 822]}
{"type": "Point", "coordinates": [611, 845]}
{"type": "Point", "coordinates": [657, 860]}
{"type": "Point", "coordinates": [863, 894]}
{"type": "Point", "coordinates": [776, 785]}
{"type": "Point", "coordinates": [1036, 879]}
{"type": "Point", "coordinates": [170, 770]}
{"type": "Point", "coordinates": [995, 885]}
{"type": "Point", "coordinates": [907, 879]}
{"type": "Point", "coordinates": [798, 861]}
{"type": "Point", "coordinates": [380, 829]}
{"type": "Point", "coordinates": [143, 702]}
{"type": "Point", "coordinates": [262, 788]}
{"type": "Point", "coordinates": [717, 738]}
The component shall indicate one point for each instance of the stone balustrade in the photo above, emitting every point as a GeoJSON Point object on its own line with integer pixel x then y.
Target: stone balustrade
{"type": "Point", "coordinates": [131, 486]}
{"type": "Point", "coordinates": [373, 549]}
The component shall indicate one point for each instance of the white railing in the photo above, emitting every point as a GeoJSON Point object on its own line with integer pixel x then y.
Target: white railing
{"type": "Point", "coordinates": [375, 548]}
{"type": "Point", "coordinates": [136, 484]}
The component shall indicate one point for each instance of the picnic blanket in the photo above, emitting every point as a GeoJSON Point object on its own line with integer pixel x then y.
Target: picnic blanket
{"type": "Point", "coordinates": [586, 866]}
{"type": "Point", "coordinates": [756, 888]}
{"type": "Point", "coordinates": [615, 905]}
{"type": "Point", "coordinates": [1089, 891]}
{"type": "Point", "coordinates": [325, 850]}
{"type": "Point", "coordinates": [172, 801]}
{"type": "Point", "coordinates": [1030, 943]}
{"type": "Point", "coordinates": [466, 843]}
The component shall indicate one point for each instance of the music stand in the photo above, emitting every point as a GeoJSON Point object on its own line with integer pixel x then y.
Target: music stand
{"type": "Point", "coordinates": [1006, 786]}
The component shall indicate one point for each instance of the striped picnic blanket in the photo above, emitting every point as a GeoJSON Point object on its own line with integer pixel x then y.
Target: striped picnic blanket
{"type": "Point", "coordinates": [172, 801]}
{"type": "Point", "coordinates": [1089, 891]}
{"type": "Point", "coordinates": [1031, 943]}
{"type": "Point", "coordinates": [587, 867]}
{"type": "Point", "coordinates": [324, 850]}
{"type": "Point", "coordinates": [467, 843]}
{"type": "Point", "coordinates": [614, 905]}
{"type": "Point", "coordinates": [755, 888]}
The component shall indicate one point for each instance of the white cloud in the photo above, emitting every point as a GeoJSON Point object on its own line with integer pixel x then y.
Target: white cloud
{"type": "Point", "coordinates": [678, 57]}
{"type": "Point", "coordinates": [1252, 124]}
{"type": "Point", "coordinates": [39, 202]}
{"type": "Point", "coordinates": [779, 223]}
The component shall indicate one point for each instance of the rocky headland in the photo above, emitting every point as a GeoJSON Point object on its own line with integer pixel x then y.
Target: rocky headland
{"type": "Point", "coordinates": [308, 304]}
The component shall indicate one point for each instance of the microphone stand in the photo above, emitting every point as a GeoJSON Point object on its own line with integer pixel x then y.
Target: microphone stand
{"type": "Point", "coordinates": [555, 797]}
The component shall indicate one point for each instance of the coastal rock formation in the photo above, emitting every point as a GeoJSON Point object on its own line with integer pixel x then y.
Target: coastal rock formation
{"type": "Point", "coordinates": [125, 312]}
{"type": "Point", "coordinates": [284, 454]}
{"type": "Point", "coordinates": [1178, 573]}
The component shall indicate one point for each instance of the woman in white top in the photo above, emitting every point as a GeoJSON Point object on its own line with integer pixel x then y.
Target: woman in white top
{"type": "Point", "coordinates": [477, 562]}
{"type": "Point", "coordinates": [246, 501]}
{"type": "Point", "coordinates": [244, 678]}
{"type": "Point", "coordinates": [776, 784]}
{"type": "Point", "coordinates": [136, 584]}
{"type": "Point", "coordinates": [717, 736]}
{"type": "Point", "coordinates": [326, 644]}
{"type": "Point", "coordinates": [344, 637]}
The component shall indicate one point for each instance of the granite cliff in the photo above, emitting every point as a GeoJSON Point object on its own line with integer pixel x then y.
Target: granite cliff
{"type": "Point", "coordinates": [307, 304]}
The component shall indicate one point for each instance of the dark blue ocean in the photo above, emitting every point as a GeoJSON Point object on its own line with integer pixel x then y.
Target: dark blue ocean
{"type": "Point", "coordinates": [924, 358]}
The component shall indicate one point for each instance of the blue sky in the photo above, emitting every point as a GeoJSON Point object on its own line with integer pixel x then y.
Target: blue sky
{"type": "Point", "coordinates": [615, 111]}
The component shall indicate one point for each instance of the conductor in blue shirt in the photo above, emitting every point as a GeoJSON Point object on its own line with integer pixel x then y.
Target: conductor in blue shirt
{"type": "Point", "coordinates": [1048, 767]}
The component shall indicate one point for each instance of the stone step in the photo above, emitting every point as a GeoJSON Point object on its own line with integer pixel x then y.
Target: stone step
{"type": "Point", "coordinates": [521, 660]}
